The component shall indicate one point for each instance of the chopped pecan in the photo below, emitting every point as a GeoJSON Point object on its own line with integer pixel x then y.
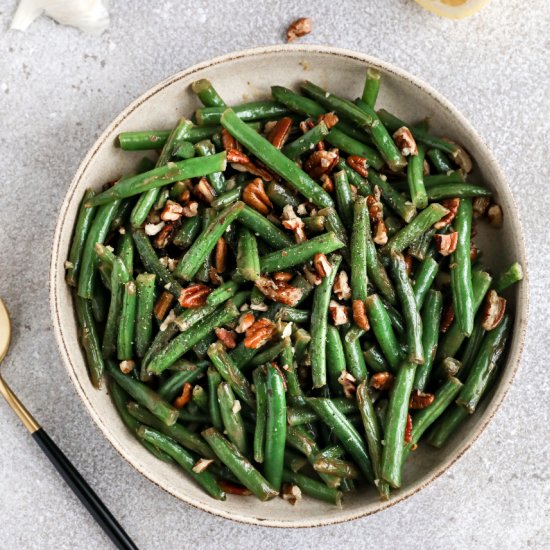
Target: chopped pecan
{"type": "Point", "coordinates": [452, 206]}
{"type": "Point", "coordinates": [168, 320]}
{"type": "Point", "coordinates": [321, 162]}
{"type": "Point", "coordinates": [326, 183]}
{"type": "Point", "coordinates": [259, 333]}
{"type": "Point", "coordinates": [172, 211]}
{"type": "Point", "coordinates": [163, 238]}
{"type": "Point", "coordinates": [194, 296]}
{"type": "Point", "coordinates": [405, 141]}
{"type": "Point", "coordinates": [236, 156]}
{"type": "Point", "coordinates": [279, 291]}
{"type": "Point", "coordinates": [280, 132]}
{"type": "Point", "coordinates": [341, 286]}
{"type": "Point", "coordinates": [408, 263]}
{"type": "Point", "coordinates": [204, 191]}
{"type": "Point", "coordinates": [248, 166]}
{"type": "Point", "coordinates": [376, 208]}
{"type": "Point", "coordinates": [426, 168]}
{"type": "Point", "coordinates": [246, 320]}
{"type": "Point", "coordinates": [298, 28]}
{"type": "Point", "coordinates": [306, 125]}
{"type": "Point", "coordinates": [292, 222]}
{"type": "Point", "coordinates": [311, 277]}
{"type": "Point", "coordinates": [359, 164]}
{"type": "Point", "coordinates": [291, 493]}
{"type": "Point", "coordinates": [233, 489]}
{"type": "Point", "coordinates": [494, 215]}
{"type": "Point", "coordinates": [420, 400]}
{"type": "Point", "coordinates": [185, 396]}
{"type": "Point", "coordinates": [338, 312]}
{"type": "Point", "coordinates": [168, 263]}
{"type": "Point", "coordinates": [127, 366]}
{"type": "Point", "coordinates": [347, 381]}
{"type": "Point", "coordinates": [220, 255]}
{"type": "Point", "coordinates": [214, 276]}
{"type": "Point", "coordinates": [460, 156]}
{"type": "Point", "coordinates": [381, 233]}
{"type": "Point", "coordinates": [408, 429]}
{"type": "Point", "coordinates": [446, 244]}
{"type": "Point", "coordinates": [480, 205]}
{"type": "Point", "coordinates": [191, 209]}
{"type": "Point", "coordinates": [322, 265]}
{"type": "Point", "coordinates": [227, 337]}
{"type": "Point", "coordinates": [360, 314]}
{"type": "Point", "coordinates": [162, 305]}
{"type": "Point", "coordinates": [447, 317]}
{"type": "Point", "coordinates": [229, 142]}
{"type": "Point", "coordinates": [473, 252]}
{"type": "Point", "coordinates": [330, 119]}
{"type": "Point", "coordinates": [282, 276]}
{"type": "Point", "coordinates": [255, 196]}
{"type": "Point", "coordinates": [493, 310]}
{"type": "Point", "coordinates": [382, 381]}
{"type": "Point", "coordinates": [202, 464]}
{"type": "Point", "coordinates": [152, 229]}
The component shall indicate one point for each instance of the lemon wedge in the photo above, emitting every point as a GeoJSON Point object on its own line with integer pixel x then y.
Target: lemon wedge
{"type": "Point", "coordinates": [453, 9]}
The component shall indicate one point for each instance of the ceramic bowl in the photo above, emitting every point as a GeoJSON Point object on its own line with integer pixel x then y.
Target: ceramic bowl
{"type": "Point", "coordinates": [246, 76]}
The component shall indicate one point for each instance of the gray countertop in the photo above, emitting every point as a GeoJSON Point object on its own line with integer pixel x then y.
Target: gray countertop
{"type": "Point", "coordinates": [58, 91]}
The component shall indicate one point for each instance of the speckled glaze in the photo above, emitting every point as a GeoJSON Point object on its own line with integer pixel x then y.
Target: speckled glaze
{"type": "Point", "coordinates": [244, 76]}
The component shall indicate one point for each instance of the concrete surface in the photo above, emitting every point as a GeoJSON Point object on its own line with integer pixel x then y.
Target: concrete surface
{"type": "Point", "coordinates": [59, 89]}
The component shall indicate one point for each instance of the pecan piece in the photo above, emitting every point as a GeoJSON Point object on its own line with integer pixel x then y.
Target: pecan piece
{"type": "Point", "coordinates": [311, 277]}
{"type": "Point", "coordinates": [322, 265]}
{"type": "Point", "coordinates": [291, 493]}
{"type": "Point", "coordinates": [162, 305]}
{"type": "Point", "coordinates": [327, 183]}
{"type": "Point", "coordinates": [246, 320]}
{"type": "Point", "coordinates": [279, 291]}
{"type": "Point", "coordinates": [233, 489]}
{"type": "Point", "coordinates": [202, 464]}
{"type": "Point", "coordinates": [382, 381]}
{"type": "Point", "coordinates": [446, 244]}
{"type": "Point", "coordinates": [163, 238]}
{"type": "Point", "coordinates": [460, 156]}
{"type": "Point", "coordinates": [347, 381]}
{"type": "Point", "coordinates": [172, 211]}
{"type": "Point", "coordinates": [220, 255]}
{"type": "Point", "coordinates": [226, 337]}
{"type": "Point", "coordinates": [376, 208]}
{"type": "Point", "coordinates": [229, 142]}
{"type": "Point", "coordinates": [259, 333]}
{"type": "Point", "coordinates": [408, 429]}
{"type": "Point", "coordinates": [359, 164]}
{"type": "Point", "coordinates": [185, 396]}
{"type": "Point", "coordinates": [360, 314]}
{"type": "Point", "coordinates": [194, 296]}
{"type": "Point", "coordinates": [330, 119]}
{"type": "Point", "coordinates": [381, 233]}
{"type": "Point", "coordinates": [204, 191]}
{"type": "Point", "coordinates": [321, 162]}
{"type": "Point", "coordinates": [493, 311]}
{"type": "Point", "coordinates": [408, 263]}
{"type": "Point", "coordinates": [452, 206]}
{"type": "Point", "coordinates": [480, 205]}
{"type": "Point", "coordinates": [298, 28]}
{"type": "Point", "coordinates": [447, 317]}
{"type": "Point", "coordinates": [191, 209]}
{"type": "Point", "coordinates": [292, 222]}
{"type": "Point", "coordinates": [280, 132]}
{"type": "Point", "coordinates": [494, 215]}
{"type": "Point", "coordinates": [240, 162]}
{"type": "Point", "coordinates": [420, 400]}
{"type": "Point", "coordinates": [152, 229]}
{"type": "Point", "coordinates": [341, 286]}
{"type": "Point", "coordinates": [405, 141]}
{"type": "Point", "coordinates": [282, 276]}
{"type": "Point", "coordinates": [255, 196]}
{"type": "Point", "coordinates": [214, 276]}
{"type": "Point", "coordinates": [127, 366]}
{"type": "Point", "coordinates": [237, 156]}
{"type": "Point", "coordinates": [338, 312]}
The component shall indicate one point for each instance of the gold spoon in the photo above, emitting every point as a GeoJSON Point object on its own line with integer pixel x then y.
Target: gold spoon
{"type": "Point", "coordinates": [62, 464]}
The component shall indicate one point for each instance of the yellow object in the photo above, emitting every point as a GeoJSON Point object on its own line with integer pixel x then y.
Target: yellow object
{"type": "Point", "coordinates": [453, 9]}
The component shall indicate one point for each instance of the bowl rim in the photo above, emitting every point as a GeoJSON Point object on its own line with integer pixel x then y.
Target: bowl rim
{"type": "Point", "coordinates": [522, 305]}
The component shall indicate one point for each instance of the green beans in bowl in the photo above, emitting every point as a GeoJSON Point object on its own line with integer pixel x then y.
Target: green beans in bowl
{"type": "Point", "coordinates": [302, 294]}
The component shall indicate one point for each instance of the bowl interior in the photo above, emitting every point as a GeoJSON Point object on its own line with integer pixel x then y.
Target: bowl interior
{"type": "Point", "coordinates": [244, 77]}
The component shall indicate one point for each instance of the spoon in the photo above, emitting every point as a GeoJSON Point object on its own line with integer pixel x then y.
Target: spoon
{"type": "Point", "coordinates": [62, 464]}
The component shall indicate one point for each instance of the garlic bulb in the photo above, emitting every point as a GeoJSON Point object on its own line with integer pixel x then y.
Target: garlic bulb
{"type": "Point", "coordinates": [90, 16]}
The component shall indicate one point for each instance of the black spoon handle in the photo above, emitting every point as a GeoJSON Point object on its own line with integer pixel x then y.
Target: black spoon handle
{"type": "Point", "coordinates": [83, 491]}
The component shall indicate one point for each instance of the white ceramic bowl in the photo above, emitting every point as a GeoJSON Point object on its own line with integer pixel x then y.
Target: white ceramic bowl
{"type": "Point", "coordinates": [245, 76]}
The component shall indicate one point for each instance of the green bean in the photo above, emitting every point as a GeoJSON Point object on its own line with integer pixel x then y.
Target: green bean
{"type": "Point", "coordinates": [239, 465]}
{"type": "Point", "coordinates": [430, 215]}
{"type": "Point", "coordinates": [396, 318]}
{"type": "Point", "coordinates": [490, 352]}
{"type": "Point", "coordinates": [336, 360]}
{"type": "Point", "coordinates": [275, 427]}
{"type": "Point", "coordinates": [431, 317]}
{"type": "Point", "coordinates": [217, 179]}
{"type": "Point", "coordinates": [231, 374]}
{"type": "Point", "coordinates": [396, 201]}
{"type": "Point", "coordinates": [360, 228]}
{"type": "Point", "coordinates": [373, 435]}
{"type": "Point", "coordinates": [288, 365]}
{"type": "Point", "coordinates": [375, 360]}
{"type": "Point", "coordinates": [396, 420]}
{"type": "Point", "coordinates": [509, 277]}
{"type": "Point", "coordinates": [161, 176]}
{"type": "Point", "coordinates": [214, 380]}
{"type": "Point", "coordinates": [307, 142]}
{"type": "Point", "coordinates": [231, 417]}
{"type": "Point", "coordinates": [227, 198]}
{"type": "Point", "coordinates": [206, 241]}
{"type": "Point", "coordinates": [187, 232]}
{"type": "Point", "coordinates": [345, 432]}
{"type": "Point", "coordinates": [313, 488]}
{"type": "Point", "coordinates": [392, 123]}
{"type": "Point", "coordinates": [259, 378]}
{"type": "Point", "coordinates": [299, 253]}
{"type": "Point", "coordinates": [456, 190]}
{"type": "Point", "coordinates": [263, 228]}
{"type": "Point", "coordinates": [354, 355]}
{"type": "Point", "coordinates": [447, 425]}
{"type": "Point", "coordinates": [314, 224]}
{"type": "Point", "coordinates": [145, 283]}
{"type": "Point", "coordinates": [280, 195]}
{"type": "Point", "coordinates": [207, 94]}
{"type": "Point", "coordinates": [424, 278]}
{"type": "Point", "coordinates": [413, 322]}
{"type": "Point", "coordinates": [334, 224]}
{"type": "Point", "coordinates": [127, 322]}
{"type": "Point", "coordinates": [296, 102]}
{"type": "Point", "coordinates": [415, 178]}
{"type": "Point", "coordinates": [151, 263]}
{"type": "Point", "coordinates": [336, 466]}
{"type": "Point", "coordinates": [294, 461]}
{"type": "Point", "coordinates": [143, 395]}
{"type": "Point", "coordinates": [293, 315]}
{"type": "Point", "coordinates": [177, 431]}
{"type": "Point", "coordinates": [267, 355]}
{"type": "Point", "coordinates": [471, 348]}
{"type": "Point", "coordinates": [319, 312]}
{"type": "Point", "coordinates": [185, 150]}
{"type": "Point", "coordinates": [422, 247]}
{"type": "Point", "coordinates": [255, 110]}
{"type": "Point", "coordinates": [439, 161]}
{"type": "Point", "coordinates": [375, 269]}
{"type": "Point", "coordinates": [222, 293]}
{"type": "Point", "coordinates": [200, 398]}
{"type": "Point", "coordinates": [461, 272]}
{"type": "Point", "coordinates": [89, 339]}
{"type": "Point", "coordinates": [275, 160]}
{"type": "Point", "coordinates": [363, 186]}
{"type": "Point", "coordinates": [344, 198]}
{"type": "Point", "coordinates": [83, 225]}
{"type": "Point", "coordinates": [337, 138]}
{"type": "Point", "coordinates": [182, 343]}
{"type": "Point", "coordinates": [383, 331]}
{"type": "Point", "coordinates": [126, 250]}
{"type": "Point", "coordinates": [248, 260]}
{"type": "Point", "coordinates": [96, 234]}
{"type": "Point", "coordinates": [100, 303]}
{"type": "Point", "coordinates": [371, 88]}
{"type": "Point", "coordinates": [303, 414]}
